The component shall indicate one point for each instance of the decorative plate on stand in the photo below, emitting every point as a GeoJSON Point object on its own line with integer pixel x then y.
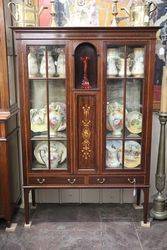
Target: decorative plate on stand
{"type": "Point", "coordinates": [58, 153]}
{"type": "Point", "coordinates": [134, 122]}
{"type": "Point", "coordinates": [132, 157]}
{"type": "Point", "coordinates": [113, 154]}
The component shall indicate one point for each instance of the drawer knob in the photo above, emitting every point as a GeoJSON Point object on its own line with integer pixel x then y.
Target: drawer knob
{"type": "Point", "coordinates": [132, 181]}
{"type": "Point", "coordinates": [40, 180]}
{"type": "Point", "coordinates": [71, 181]}
{"type": "Point", "coordinates": [101, 181]}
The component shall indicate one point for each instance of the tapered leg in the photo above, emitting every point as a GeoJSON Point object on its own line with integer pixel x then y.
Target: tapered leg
{"type": "Point", "coordinates": [8, 223]}
{"type": "Point", "coordinates": [26, 205]}
{"type": "Point", "coordinates": [145, 205]}
{"type": "Point", "coordinates": [33, 197]}
{"type": "Point", "coordinates": [138, 197]}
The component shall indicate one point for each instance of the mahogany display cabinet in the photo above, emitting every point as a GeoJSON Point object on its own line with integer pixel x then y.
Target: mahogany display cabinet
{"type": "Point", "coordinates": [10, 183]}
{"type": "Point", "coordinates": [86, 108]}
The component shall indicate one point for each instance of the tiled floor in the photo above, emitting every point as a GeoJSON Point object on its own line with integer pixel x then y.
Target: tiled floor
{"type": "Point", "coordinates": [84, 227]}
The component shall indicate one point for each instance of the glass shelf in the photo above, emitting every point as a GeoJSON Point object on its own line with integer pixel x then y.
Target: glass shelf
{"type": "Point", "coordinates": [49, 78]}
{"type": "Point", "coordinates": [45, 138]}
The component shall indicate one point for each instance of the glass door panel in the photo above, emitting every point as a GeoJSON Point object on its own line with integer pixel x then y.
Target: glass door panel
{"type": "Point", "coordinates": [124, 106]}
{"type": "Point", "coordinates": [40, 155]}
{"type": "Point", "coordinates": [132, 154]}
{"type": "Point", "coordinates": [57, 109]}
{"type": "Point", "coordinates": [58, 155]}
{"type": "Point", "coordinates": [134, 108]}
{"type": "Point", "coordinates": [116, 62]}
{"type": "Point", "coordinates": [135, 61]}
{"type": "Point", "coordinates": [47, 90]}
{"type": "Point", "coordinates": [38, 111]}
{"type": "Point", "coordinates": [114, 119]}
{"type": "Point", "coordinates": [114, 150]}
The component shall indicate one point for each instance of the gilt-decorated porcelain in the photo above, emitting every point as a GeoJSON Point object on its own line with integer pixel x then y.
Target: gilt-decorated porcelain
{"type": "Point", "coordinates": [38, 120]}
{"type": "Point", "coordinates": [134, 122]}
{"type": "Point", "coordinates": [57, 117]}
{"type": "Point", "coordinates": [115, 118]}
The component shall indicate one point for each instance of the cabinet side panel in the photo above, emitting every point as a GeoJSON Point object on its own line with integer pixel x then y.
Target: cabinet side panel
{"type": "Point", "coordinates": [13, 146]}
{"type": "Point", "coordinates": [86, 133]}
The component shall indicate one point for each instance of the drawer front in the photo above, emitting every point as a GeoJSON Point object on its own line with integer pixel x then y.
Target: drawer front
{"type": "Point", "coordinates": [116, 180]}
{"type": "Point", "coordinates": [67, 180]}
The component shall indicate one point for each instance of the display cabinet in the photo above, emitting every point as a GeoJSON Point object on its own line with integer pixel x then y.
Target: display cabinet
{"type": "Point", "coordinates": [10, 184]}
{"type": "Point", "coordinates": [86, 108]}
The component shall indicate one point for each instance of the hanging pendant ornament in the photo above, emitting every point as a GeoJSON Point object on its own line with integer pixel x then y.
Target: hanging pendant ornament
{"type": "Point", "coordinates": [85, 81]}
{"type": "Point", "coordinates": [53, 14]}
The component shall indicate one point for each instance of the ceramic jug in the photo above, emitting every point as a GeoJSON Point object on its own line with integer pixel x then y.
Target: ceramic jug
{"type": "Point", "coordinates": [139, 12]}
{"type": "Point", "coordinates": [25, 13]}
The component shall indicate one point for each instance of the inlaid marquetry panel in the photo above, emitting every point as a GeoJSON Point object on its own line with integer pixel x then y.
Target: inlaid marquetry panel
{"type": "Point", "coordinates": [86, 132]}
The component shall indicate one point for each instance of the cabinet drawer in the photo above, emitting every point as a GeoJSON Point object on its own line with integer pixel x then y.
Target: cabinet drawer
{"type": "Point", "coordinates": [116, 180]}
{"type": "Point", "coordinates": [67, 180]}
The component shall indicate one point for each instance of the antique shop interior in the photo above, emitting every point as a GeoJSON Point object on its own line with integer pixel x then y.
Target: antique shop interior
{"type": "Point", "coordinates": [83, 113]}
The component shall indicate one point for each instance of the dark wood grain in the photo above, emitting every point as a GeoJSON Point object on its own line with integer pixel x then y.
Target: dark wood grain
{"type": "Point", "coordinates": [10, 187]}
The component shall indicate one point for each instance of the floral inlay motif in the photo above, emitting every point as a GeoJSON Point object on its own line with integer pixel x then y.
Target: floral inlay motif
{"type": "Point", "coordinates": [86, 132]}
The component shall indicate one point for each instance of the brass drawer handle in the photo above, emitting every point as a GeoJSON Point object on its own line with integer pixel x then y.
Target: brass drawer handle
{"type": "Point", "coordinates": [71, 181]}
{"type": "Point", "coordinates": [40, 180]}
{"type": "Point", "coordinates": [101, 181]}
{"type": "Point", "coordinates": [133, 181]}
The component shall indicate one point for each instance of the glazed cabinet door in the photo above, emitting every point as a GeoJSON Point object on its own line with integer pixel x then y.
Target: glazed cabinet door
{"type": "Point", "coordinates": [47, 108]}
{"type": "Point", "coordinates": [125, 106]}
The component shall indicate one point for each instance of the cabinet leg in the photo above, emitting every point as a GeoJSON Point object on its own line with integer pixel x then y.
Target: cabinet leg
{"type": "Point", "coordinates": [145, 205]}
{"type": "Point", "coordinates": [8, 223]}
{"type": "Point", "coordinates": [26, 205]}
{"type": "Point", "coordinates": [33, 197]}
{"type": "Point", "coordinates": [138, 197]}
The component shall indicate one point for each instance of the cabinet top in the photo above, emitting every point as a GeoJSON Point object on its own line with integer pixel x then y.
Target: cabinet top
{"type": "Point", "coordinates": [85, 32]}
